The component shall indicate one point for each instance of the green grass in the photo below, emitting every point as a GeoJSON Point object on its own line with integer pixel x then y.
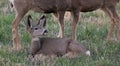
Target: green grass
{"type": "Point", "coordinates": [92, 30]}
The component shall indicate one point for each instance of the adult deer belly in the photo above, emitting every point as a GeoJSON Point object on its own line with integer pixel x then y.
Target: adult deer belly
{"type": "Point", "coordinates": [90, 5]}
{"type": "Point", "coordinates": [50, 6]}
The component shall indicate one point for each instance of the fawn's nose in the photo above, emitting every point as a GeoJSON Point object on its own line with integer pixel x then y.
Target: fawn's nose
{"type": "Point", "coordinates": [45, 31]}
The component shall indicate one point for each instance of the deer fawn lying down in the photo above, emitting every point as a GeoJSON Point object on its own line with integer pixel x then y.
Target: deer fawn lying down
{"type": "Point", "coordinates": [58, 8]}
{"type": "Point", "coordinates": [51, 46]}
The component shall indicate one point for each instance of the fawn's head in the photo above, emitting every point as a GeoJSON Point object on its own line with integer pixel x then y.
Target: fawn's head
{"type": "Point", "coordinates": [38, 29]}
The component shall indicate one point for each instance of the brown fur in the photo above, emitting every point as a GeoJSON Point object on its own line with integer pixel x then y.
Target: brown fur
{"type": "Point", "coordinates": [55, 46]}
{"type": "Point", "coordinates": [59, 7]}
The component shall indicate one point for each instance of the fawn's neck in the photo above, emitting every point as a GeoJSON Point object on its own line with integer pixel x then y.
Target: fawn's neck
{"type": "Point", "coordinates": [33, 39]}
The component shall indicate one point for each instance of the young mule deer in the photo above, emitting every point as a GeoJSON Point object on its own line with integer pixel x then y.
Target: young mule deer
{"type": "Point", "coordinates": [58, 8]}
{"type": "Point", "coordinates": [51, 46]}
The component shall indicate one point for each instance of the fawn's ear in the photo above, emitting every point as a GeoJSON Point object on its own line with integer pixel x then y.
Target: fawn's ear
{"type": "Point", "coordinates": [42, 21]}
{"type": "Point", "coordinates": [29, 22]}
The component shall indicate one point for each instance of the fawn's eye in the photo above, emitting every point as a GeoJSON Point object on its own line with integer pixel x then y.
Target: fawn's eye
{"type": "Point", "coordinates": [36, 28]}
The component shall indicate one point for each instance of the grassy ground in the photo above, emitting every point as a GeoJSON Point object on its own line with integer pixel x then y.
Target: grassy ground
{"type": "Point", "coordinates": [91, 31]}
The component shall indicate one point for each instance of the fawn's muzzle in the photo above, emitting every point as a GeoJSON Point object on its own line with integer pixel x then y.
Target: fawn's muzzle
{"type": "Point", "coordinates": [46, 31]}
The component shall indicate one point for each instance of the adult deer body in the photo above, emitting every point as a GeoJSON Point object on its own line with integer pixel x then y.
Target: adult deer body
{"type": "Point", "coordinates": [59, 7]}
{"type": "Point", "coordinates": [51, 46]}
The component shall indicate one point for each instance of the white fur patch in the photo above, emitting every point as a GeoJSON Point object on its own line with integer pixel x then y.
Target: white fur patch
{"type": "Point", "coordinates": [12, 1]}
{"type": "Point", "coordinates": [88, 52]}
{"type": "Point", "coordinates": [35, 39]}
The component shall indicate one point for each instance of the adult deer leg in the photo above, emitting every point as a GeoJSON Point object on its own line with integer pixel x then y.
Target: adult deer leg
{"type": "Point", "coordinates": [55, 16]}
{"type": "Point", "coordinates": [112, 24]}
{"type": "Point", "coordinates": [118, 30]}
{"type": "Point", "coordinates": [15, 36]}
{"type": "Point", "coordinates": [75, 16]}
{"type": "Point", "coordinates": [61, 23]}
{"type": "Point", "coordinates": [111, 11]}
{"type": "Point", "coordinates": [110, 31]}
